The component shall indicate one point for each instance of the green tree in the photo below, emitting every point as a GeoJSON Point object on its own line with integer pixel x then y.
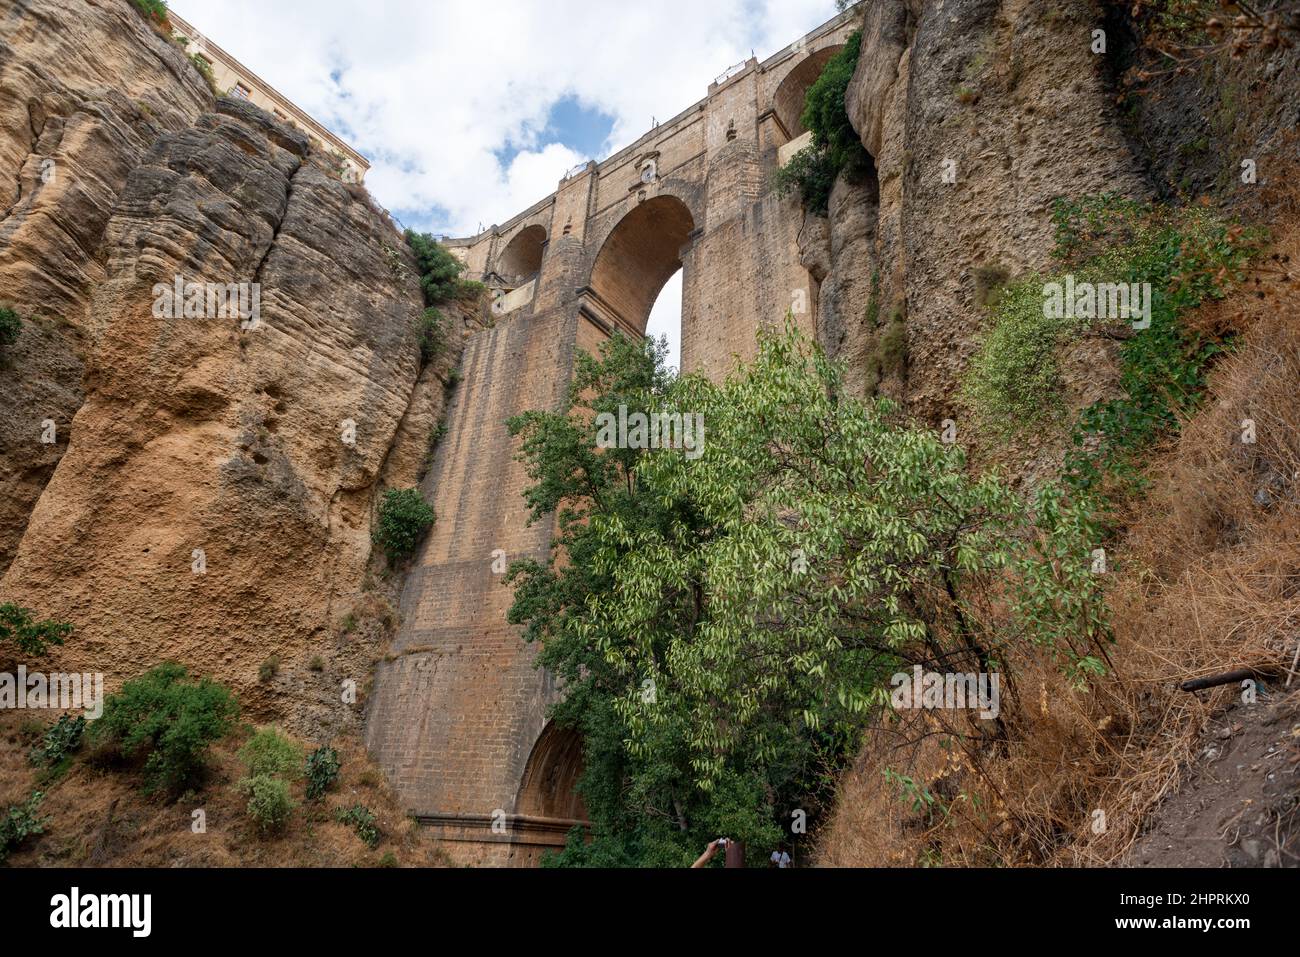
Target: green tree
{"type": "Point", "coordinates": [726, 624]}
{"type": "Point", "coordinates": [825, 111]}
{"type": "Point", "coordinates": [439, 270]}
{"type": "Point", "coordinates": [836, 147]}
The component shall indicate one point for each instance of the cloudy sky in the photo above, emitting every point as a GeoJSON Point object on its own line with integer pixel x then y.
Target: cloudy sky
{"type": "Point", "coordinates": [472, 110]}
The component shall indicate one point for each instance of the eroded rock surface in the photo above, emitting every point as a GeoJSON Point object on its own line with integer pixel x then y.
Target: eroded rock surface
{"type": "Point", "coordinates": [218, 475]}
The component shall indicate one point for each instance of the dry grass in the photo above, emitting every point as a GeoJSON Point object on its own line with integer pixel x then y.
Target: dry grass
{"type": "Point", "coordinates": [1207, 580]}
{"type": "Point", "coordinates": [99, 817]}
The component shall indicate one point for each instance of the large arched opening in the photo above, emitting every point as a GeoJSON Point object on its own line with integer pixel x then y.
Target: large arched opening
{"type": "Point", "coordinates": [549, 788]}
{"type": "Point", "coordinates": [638, 258]}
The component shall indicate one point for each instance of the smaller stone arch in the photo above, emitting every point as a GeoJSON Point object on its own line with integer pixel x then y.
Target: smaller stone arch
{"type": "Point", "coordinates": [521, 260]}
{"type": "Point", "coordinates": [549, 786]}
{"type": "Point", "coordinates": [548, 805]}
{"type": "Point", "coordinates": [790, 95]}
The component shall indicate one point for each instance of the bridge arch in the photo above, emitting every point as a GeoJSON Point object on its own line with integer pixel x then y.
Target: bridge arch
{"type": "Point", "coordinates": [640, 254]}
{"type": "Point", "coordinates": [788, 101]}
{"type": "Point", "coordinates": [521, 260]}
{"type": "Point", "coordinates": [548, 805]}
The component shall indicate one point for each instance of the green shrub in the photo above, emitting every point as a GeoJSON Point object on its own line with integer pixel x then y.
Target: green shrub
{"type": "Point", "coordinates": [269, 804]}
{"type": "Point", "coordinates": [268, 752]}
{"type": "Point", "coordinates": [388, 860]}
{"type": "Point", "coordinates": [155, 10]}
{"type": "Point", "coordinates": [32, 637]}
{"type": "Point", "coordinates": [826, 114]}
{"type": "Point", "coordinates": [433, 334]}
{"type": "Point", "coordinates": [268, 669]}
{"type": "Point", "coordinates": [171, 718]}
{"type": "Point", "coordinates": [1013, 381]}
{"type": "Point", "coordinates": [404, 517]}
{"type": "Point", "coordinates": [10, 328]}
{"type": "Point", "coordinates": [59, 741]}
{"type": "Point", "coordinates": [205, 70]}
{"type": "Point", "coordinates": [1187, 255]}
{"type": "Point", "coordinates": [439, 269]}
{"type": "Point", "coordinates": [322, 771]}
{"type": "Point", "coordinates": [811, 172]}
{"type": "Point", "coordinates": [470, 290]}
{"type": "Point", "coordinates": [19, 822]}
{"type": "Point", "coordinates": [362, 821]}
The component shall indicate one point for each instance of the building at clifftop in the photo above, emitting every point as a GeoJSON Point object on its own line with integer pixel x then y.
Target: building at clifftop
{"type": "Point", "coordinates": [235, 79]}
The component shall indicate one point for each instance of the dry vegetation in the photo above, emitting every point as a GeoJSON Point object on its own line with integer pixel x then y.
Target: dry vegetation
{"type": "Point", "coordinates": [100, 818]}
{"type": "Point", "coordinates": [1207, 580]}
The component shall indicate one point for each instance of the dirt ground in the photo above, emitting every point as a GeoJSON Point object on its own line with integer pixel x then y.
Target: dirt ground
{"type": "Point", "coordinates": [1239, 805]}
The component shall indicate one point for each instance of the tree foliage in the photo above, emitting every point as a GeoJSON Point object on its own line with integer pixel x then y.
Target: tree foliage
{"type": "Point", "coordinates": [439, 270]}
{"type": "Point", "coordinates": [725, 626]}
{"type": "Point", "coordinates": [836, 147]}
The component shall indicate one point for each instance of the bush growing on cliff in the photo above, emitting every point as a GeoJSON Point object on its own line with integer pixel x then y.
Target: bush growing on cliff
{"type": "Point", "coordinates": [404, 517]}
{"type": "Point", "coordinates": [836, 147]}
{"type": "Point", "coordinates": [18, 822]}
{"type": "Point", "coordinates": [362, 820]}
{"type": "Point", "coordinates": [153, 10]}
{"type": "Point", "coordinates": [269, 804]}
{"type": "Point", "coordinates": [726, 625]}
{"type": "Point", "coordinates": [59, 741]}
{"type": "Point", "coordinates": [322, 771]}
{"type": "Point", "coordinates": [1187, 256]}
{"type": "Point", "coordinates": [440, 271]}
{"type": "Point", "coordinates": [171, 719]}
{"type": "Point", "coordinates": [811, 172]}
{"type": "Point", "coordinates": [11, 328]}
{"type": "Point", "coordinates": [825, 112]}
{"type": "Point", "coordinates": [31, 637]}
{"type": "Point", "coordinates": [268, 752]}
{"type": "Point", "coordinates": [433, 334]}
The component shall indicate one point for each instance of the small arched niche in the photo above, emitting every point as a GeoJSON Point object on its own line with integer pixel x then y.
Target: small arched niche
{"type": "Point", "coordinates": [521, 260]}
{"type": "Point", "coordinates": [789, 100]}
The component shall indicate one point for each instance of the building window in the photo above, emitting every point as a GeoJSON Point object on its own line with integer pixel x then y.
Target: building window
{"type": "Point", "coordinates": [240, 92]}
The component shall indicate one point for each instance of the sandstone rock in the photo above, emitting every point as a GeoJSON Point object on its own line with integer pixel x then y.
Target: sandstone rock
{"type": "Point", "coordinates": [201, 439]}
{"type": "Point", "coordinates": [84, 92]}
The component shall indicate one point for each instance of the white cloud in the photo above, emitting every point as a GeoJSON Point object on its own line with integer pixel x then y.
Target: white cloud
{"type": "Point", "coordinates": [433, 93]}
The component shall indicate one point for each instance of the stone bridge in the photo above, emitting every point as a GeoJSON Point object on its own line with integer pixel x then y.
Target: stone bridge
{"type": "Point", "coordinates": [458, 709]}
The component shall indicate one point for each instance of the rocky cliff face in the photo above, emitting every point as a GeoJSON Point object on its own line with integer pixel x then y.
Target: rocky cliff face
{"type": "Point", "coordinates": [84, 91]}
{"type": "Point", "coordinates": [977, 114]}
{"type": "Point", "coordinates": [211, 491]}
